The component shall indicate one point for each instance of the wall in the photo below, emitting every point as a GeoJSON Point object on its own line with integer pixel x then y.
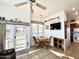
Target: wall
{"type": "Point", "coordinates": [58, 33]}
{"type": "Point", "coordinates": [11, 12]}
{"type": "Point", "coordinates": [55, 33]}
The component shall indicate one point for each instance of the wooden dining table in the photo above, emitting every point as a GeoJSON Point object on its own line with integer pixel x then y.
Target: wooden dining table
{"type": "Point", "coordinates": [42, 41]}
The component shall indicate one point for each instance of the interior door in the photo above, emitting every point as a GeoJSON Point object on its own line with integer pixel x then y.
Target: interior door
{"type": "Point", "coordinates": [20, 37]}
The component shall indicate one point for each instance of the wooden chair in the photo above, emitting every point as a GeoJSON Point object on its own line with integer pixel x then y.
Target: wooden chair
{"type": "Point", "coordinates": [48, 42]}
{"type": "Point", "coordinates": [36, 42]}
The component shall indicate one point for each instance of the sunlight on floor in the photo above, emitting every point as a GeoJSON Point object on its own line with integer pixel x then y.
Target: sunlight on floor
{"type": "Point", "coordinates": [61, 55]}
{"type": "Point", "coordinates": [33, 51]}
{"type": "Point", "coordinates": [28, 53]}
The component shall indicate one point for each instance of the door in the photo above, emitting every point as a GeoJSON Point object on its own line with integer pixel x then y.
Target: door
{"type": "Point", "coordinates": [20, 37]}
{"type": "Point", "coordinates": [9, 42]}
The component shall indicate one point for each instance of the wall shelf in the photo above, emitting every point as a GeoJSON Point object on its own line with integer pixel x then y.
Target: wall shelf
{"type": "Point", "coordinates": [14, 22]}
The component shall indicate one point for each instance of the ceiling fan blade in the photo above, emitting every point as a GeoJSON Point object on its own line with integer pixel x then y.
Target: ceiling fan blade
{"type": "Point", "coordinates": [41, 6]}
{"type": "Point", "coordinates": [20, 4]}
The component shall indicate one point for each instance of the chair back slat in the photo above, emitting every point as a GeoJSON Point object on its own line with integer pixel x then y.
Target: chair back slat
{"type": "Point", "coordinates": [34, 38]}
{"type": "Point", "coordinates": [50, 38]}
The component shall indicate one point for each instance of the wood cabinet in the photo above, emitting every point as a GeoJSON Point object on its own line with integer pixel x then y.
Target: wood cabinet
{"type": "Point", "coordinates": [59, 43]}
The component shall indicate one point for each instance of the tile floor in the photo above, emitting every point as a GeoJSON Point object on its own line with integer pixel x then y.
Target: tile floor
{"type": "Point", "coordinates": [53, 53]}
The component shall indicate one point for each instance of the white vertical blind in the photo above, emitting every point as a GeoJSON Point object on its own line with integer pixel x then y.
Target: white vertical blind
{"type": "Point", "coordinates": [16, 37]}
{"type": "Point", "coordinates": [20, 37]}
{"type": "Point", "coordinates": [9, 37]}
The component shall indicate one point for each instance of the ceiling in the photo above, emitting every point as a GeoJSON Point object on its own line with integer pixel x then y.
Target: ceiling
{"type": "Point", "coordinates": [53, 6]}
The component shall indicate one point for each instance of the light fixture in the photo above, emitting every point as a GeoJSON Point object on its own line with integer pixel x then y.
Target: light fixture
{"type": "Point", "coordinates": [73, 9]}
{"type": "Point", "coordinates": [76, 13]}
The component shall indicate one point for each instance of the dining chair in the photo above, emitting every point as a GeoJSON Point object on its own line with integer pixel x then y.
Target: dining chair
{"type": "Point", "coordinates": [36, 42]}
{"type": "Point", "coordinates": [48, 42]}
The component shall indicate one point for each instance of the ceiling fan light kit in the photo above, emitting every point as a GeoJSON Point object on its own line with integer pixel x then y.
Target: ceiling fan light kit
{"type": "Point", "coordinates": [32, 0]}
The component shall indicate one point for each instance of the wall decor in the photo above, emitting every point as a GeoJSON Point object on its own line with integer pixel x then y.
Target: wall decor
{"type": "Point", "coordinates": [52, 19]}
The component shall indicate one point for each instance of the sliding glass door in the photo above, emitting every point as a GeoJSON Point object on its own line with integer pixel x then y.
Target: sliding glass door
{"type": "Point", "coordinates": [16, 37]}
{"type": "Point", "coordinates": [20, 37]}
{"type": "Point", "coordinates": [9, 42]}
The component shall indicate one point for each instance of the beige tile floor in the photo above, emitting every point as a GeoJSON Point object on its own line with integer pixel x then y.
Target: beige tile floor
{"type": "Point", "coordinates": [53, 53]}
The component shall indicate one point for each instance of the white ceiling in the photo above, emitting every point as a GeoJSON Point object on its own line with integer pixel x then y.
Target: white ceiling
{"type": "Point", "coordinates": [53, 6]}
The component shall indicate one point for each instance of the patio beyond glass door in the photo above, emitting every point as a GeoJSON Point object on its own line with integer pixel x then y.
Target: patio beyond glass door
{"type": "Point", "coordinates": [20, 37]}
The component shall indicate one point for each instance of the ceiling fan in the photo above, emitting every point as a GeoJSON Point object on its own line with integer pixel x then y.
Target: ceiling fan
{"type": "Point", "coordinates": [31, 4]}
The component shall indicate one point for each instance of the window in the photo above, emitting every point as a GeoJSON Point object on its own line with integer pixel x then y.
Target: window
{"type": "Point", "coordinates": [34, 29]}
{"type": "Point", "coordinates": [40, 30]}
{"type": "Point", "coordinates": [37, 29]}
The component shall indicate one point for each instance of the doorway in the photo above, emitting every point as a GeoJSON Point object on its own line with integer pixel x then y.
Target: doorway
{"type": "Point", "coordinates": [72, 32]}
{"type": "Point", "coordinates": [16, 37]}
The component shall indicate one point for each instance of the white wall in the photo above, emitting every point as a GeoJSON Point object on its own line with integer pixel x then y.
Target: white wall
{"type": "Point", "coordinates": [58, 33]}
{"type": "Point", "coordinates": [11, 12]}
{"type": "Point", "coordinates": [55, 33]}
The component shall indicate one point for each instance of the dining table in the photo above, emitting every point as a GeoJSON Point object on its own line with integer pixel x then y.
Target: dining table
{"type": "Point", "coordinates": [42, 41]}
